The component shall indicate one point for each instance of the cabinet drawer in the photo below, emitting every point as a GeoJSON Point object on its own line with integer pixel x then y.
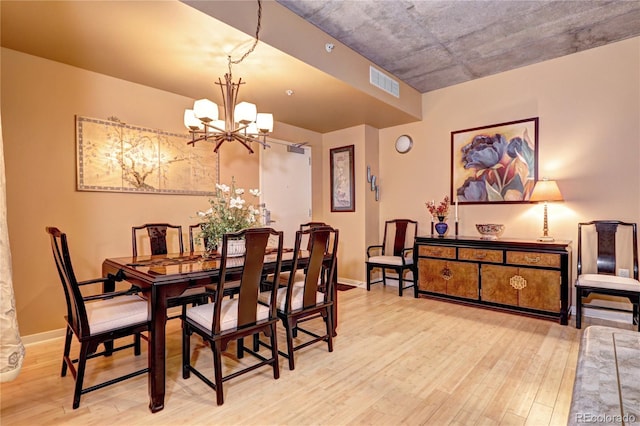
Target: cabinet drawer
{"type": "Point", "coordinates": [480, 255]}
{"type": "Point", "coordinates": [437, 251]}
{"type": "Point", "coordinates": [548, 260]}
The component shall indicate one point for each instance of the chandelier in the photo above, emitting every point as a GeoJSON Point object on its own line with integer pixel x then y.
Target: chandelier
{"type": "Point", "coordinates": [242, 122]}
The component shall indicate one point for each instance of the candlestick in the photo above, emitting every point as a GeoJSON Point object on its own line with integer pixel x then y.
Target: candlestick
{"type": "Point", "coordinates": [432, 226]}
{"type": "Point", "coordinates": [456, 228]}
{"type": "Point", "coordinates": [456, 212]}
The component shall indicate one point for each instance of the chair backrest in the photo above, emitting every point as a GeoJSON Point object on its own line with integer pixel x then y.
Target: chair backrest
{"type": "Point", "coordinates": [399, 234]}
{"type": "Point", "coordinates": [251, 273]}
{"type": "Point", "coordinates": [157, 234]}
{"type": "Point", "coordinates": [76, 312]}
{"type": "Point", "coordinates": [323, 257]}
{"type": "Point", "coordinates": [193, 237]}
{"type": "Point", "coordinates": [309, 225]}
{"type": "Point", "coordinates": [607, 246]}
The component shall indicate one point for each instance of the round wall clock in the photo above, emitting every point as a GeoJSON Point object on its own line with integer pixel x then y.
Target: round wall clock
{"type": "Point", "coordinates": [404, 144]}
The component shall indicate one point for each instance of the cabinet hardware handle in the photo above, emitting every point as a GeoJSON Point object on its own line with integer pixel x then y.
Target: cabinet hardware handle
{"type": "Point", "coordinates": [480, 255]}
{"type": "Point", "coordinates": [436, 252]}
{"type": "Point", "coordinates": [446, 273]}
{"type": "Point", "coordinates": [518, 282]}
{"type": "Point", "coordinates": [532, 259]}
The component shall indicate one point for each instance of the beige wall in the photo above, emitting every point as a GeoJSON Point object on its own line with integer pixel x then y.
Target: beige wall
{"type": "Point", "coordinates": [39, 101]}
{"type": "Point", "coordinates": [589, 109]}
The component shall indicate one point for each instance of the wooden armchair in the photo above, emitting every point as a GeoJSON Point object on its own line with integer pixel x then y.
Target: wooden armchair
{"type": "Point", "coordinates": [95, 320]}
{"type": "Point", "coordinates": [395, 253]}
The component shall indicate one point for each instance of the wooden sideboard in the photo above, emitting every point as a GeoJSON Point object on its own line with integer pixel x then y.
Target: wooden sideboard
{"type": "Point", "coordinates": [525, 276]}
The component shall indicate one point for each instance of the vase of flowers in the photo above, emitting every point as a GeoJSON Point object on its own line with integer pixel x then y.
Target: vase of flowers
{"type": "Point", "coordinates": [440, 211]}
{"type": "Point", "coordinates": [228, 212]}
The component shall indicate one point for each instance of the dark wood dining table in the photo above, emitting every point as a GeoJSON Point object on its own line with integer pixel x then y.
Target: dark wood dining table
{"type": "Point", "coordinates": [164, 276]}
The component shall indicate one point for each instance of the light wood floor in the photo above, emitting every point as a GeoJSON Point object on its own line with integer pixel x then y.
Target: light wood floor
{"type": "Point", "coordinates": [395, 361]}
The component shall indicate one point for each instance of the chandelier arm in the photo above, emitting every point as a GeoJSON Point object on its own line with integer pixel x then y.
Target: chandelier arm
{"type": "Point", "coordinates": [257, 140]}
{"type": "Point", "coordinates": [219, 140]}
{"type": "Point", "coordinates": [193, 140]}
{"type": "Point", "coordinates": [243, 141]}
{"type": "Point", "coordinates": [215, 128]}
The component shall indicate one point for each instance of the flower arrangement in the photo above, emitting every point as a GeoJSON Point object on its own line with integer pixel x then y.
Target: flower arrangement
{"type": "Point", "coordinates": [441, 210]}
{"type": "Point", "coordinates": [229, 212]}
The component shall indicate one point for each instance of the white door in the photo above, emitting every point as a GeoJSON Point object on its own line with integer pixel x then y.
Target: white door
{"type": "Point", "coordinates": [285, 183]}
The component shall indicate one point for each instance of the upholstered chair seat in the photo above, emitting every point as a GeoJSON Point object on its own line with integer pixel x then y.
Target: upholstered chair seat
{"type": "Point", "coordinates": [203, 314]}
{"type": "Point", "coordinates": [118, 312]}
{"type": "Point", "coordinates": [608, 281]}
{"type": "Point", "coordinates": [391, 260]}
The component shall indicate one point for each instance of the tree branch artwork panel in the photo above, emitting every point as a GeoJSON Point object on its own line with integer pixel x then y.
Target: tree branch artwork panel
{"type": "Point", "coordinates": [117, 157]}
{"type": "Point", "coordinates": [495, 164]}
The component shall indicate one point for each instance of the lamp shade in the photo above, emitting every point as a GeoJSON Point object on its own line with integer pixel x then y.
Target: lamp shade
{"type": "Point", "coordinates": [245, 112]}
{"type": "Point", "coordinates": [265, 122]}
{"type": "Point", "coordinates": [546, 190]}
{"type": "Point", "coordinates": [191, 122]}
{"type": "Point", "coordinates": [205, 110]}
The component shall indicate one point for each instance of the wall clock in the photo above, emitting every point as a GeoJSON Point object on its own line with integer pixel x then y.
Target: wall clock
{"type": "Point", "coordinates": [404, 143]}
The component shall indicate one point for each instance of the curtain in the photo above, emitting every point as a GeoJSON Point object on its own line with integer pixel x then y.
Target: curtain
{"type": "Point", "coordinates": [11, 347]}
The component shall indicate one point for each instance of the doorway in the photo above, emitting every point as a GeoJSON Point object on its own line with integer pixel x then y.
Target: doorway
{"type": "Point", "coordinates": [285, 183]}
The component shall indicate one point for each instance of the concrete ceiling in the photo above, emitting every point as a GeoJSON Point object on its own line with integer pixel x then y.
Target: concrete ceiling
{"type": "Point", "coordinates": [182, 47]}
{"type": "Point", "coordinates": [430, 44]}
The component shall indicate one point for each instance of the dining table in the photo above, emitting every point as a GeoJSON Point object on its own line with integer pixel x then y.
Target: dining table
{"type": "Point", "coordinates": [161, 277]}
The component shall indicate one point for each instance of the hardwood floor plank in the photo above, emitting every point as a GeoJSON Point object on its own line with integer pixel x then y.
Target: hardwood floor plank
{"type": "Point", "coordinates": [395, 361]}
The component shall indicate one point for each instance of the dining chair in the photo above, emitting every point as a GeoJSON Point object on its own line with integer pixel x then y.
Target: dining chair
{"type": "Point", "coordinates": [607, 266]}
{"type": "Point", "coordinates": [284, 276]}
{"type": "Point", "coordinates": [157, 237]}
{"type": "Point", "coordinates": [303, 299]}
{"type": "Point", "coordinates": [194, 237]}
{"type": "Point", "coordinates": [96, 319]}
{"type": "Point", "coordinates": [395, 253]}
{"type": "Point", "coordinates": [228, 320]}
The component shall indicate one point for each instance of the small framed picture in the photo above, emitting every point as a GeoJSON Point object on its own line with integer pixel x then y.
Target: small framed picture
{"type": "Point", "coordinates": [343, 191]}
{"type": "Point", "coordinates": [496, 163]}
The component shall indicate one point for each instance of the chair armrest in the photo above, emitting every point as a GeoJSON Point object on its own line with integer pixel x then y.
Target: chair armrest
{"type": "Point", "coordinates": [95, 281]}
{"type": "Point", "coordinates": [112, 294]}
{"type": "Point", "coordinates": [379, 246]}
{"type": "Point", "coordinates": [405, 251]}
{"type": "Point", "coordinates": [110, 278]}
{"type": "Point", "coordinates": [119, 276]}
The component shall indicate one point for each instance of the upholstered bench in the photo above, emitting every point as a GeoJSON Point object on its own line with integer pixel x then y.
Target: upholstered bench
{"type": "Point", "coordinates": [607, 386]}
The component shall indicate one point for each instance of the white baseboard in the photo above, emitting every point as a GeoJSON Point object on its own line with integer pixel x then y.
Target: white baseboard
{"type": "Point", "coordinates": [43, 337]}
{"type": "Point", "coordinates": [604, 315]}
{"type": "Point", "coordinates": [349, 281]}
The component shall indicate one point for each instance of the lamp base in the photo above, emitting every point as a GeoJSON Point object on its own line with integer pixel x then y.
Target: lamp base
{"type": "Point", "coordinates": [546, 239]}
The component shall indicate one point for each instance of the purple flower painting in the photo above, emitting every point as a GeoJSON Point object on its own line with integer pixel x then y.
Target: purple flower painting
{"type": "Point", "coordinates": [495, 164]}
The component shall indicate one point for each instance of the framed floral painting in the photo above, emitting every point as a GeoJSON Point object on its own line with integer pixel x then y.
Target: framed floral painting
{"type": "Point", "coordinates": [343, 192]}
{"type": "Point", "coordinates": [495, 164]}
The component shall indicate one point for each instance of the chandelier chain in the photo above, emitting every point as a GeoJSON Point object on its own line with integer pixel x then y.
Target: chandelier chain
{"type": "Point", "coordinates": [255, 42]}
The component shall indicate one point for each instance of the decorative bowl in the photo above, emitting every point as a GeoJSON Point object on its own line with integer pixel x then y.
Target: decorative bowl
{"type": "Point", "coordinates": [490, 231]}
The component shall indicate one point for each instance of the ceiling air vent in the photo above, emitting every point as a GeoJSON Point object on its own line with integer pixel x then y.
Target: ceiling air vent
{"type": "Point", "coordinates": [381, 81]}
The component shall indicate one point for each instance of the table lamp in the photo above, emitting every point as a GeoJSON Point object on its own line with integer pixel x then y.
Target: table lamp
{"type": "Point", "coordinates": [546, 190]}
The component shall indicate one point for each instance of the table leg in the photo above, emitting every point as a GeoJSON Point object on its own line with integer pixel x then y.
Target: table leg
{"type": "Point", "coordinates": [157, 343]}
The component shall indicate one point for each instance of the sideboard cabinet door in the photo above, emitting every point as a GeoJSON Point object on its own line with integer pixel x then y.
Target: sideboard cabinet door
{"type": "Point", "coordinates": [542, 291]}
{"type": "Point", "coordinates": [495, 285]}
{"type": "Point", "coordinates": [447, 277]}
